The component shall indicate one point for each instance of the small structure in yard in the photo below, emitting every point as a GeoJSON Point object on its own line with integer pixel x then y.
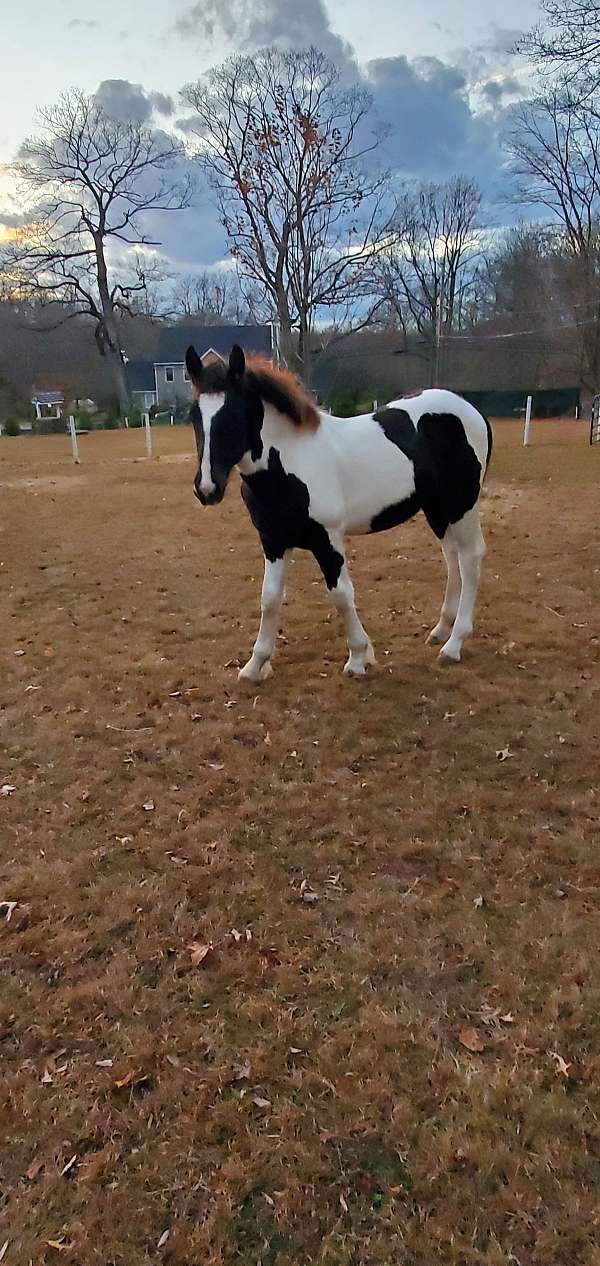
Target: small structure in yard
{"type": "Point", "coordinates": [48, 404]}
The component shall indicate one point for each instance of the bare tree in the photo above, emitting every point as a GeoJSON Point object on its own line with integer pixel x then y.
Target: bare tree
{"type": "Point", "coordinates": [428, 275]}
{"type": "Point", "coordinates": [284, 145]}
{"type": "Point", "coordinates": [555, 148]}
{"type": "Point", "coordinates": [210, 297]}
{"type": "Point", "coordinates": [567, 41]}
{"type": "Point", "coordinates": [92, 181]}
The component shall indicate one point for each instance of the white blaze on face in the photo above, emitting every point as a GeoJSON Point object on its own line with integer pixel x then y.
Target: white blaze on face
{"type": "Point", "coordinates": [209, 405]}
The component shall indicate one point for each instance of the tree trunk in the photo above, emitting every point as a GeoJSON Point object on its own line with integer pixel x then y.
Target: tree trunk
{"type": "Point", "coordinates": [120, 380]}
{"type": "Point", "coordinates": [111, 332]}
{"type": "Point", "coordinates": [304, 354]}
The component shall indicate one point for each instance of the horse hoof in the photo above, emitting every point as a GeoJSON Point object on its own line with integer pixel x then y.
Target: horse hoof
{"type": "Point", "coordinates": [370, 656]}
{"type": "Point", "coordinates": [256, 675]}
{"type": "Point", "coordinates": [355, 670]}
{"type": "Point", "coordinates": [446, 661]}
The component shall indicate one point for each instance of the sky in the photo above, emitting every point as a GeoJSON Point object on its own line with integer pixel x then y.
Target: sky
{"type": "Point", "coordinates": [441, 72]}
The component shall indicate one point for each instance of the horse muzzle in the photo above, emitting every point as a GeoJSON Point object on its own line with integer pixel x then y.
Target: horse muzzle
{"type": "Point", "coordinates": [207, 497]}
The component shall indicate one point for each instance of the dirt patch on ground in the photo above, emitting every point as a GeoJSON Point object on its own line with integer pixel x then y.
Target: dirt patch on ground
{"type": "Point", "coordinates": [44, 483]}
{"type": "Point", "coordinates": [385, 1046]}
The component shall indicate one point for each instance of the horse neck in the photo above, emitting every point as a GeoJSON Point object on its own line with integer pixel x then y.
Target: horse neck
{"type": "Point", "coordinates": [276, 432]}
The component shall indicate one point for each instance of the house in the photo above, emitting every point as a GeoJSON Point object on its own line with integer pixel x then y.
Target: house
{"type": "Point", "coordinates": [165, 383]}
{"type": "Point", "coordinates": [47, 404]}
{"type": "Point", "coordinates": [141, 383]}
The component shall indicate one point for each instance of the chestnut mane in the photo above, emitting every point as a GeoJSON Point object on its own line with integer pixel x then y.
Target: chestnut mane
{"type": "Point", "coordinates": [281, 389]}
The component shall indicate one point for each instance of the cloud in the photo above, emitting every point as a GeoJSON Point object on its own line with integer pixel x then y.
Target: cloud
{"type": "Point", "coordinates": [496, 89]}
{"type": "Point", "coordinates": [82, 24]}
{"type": "Point", "coordinates": [434, 131]}
{"type": "Point", "coordinates": [247, 25]}
{"type": "Point", "coordinates": [130, 103]}
{"type": "Point", "coordinates": [13, 220]}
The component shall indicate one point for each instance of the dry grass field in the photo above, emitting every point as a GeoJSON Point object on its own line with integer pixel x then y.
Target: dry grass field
{"type": "Point", "coordinates": [384, 1047]}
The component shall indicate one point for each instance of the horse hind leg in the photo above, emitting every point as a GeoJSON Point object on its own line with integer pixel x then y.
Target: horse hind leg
{"type": "Point", "coordinates": [470, 546]}
{"type": "Point", "coordinates": [445, 624]}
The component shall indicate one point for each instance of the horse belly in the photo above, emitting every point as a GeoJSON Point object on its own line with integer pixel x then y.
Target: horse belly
{"type": "Point", "coordinates": [381, 492]}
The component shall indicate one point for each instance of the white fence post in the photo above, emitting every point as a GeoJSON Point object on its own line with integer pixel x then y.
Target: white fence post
{"type": "Point", "coordinates": [171, 419]}
{"type": "Point", "coordinates": [148, 429]}
{"type": "Point", "coordinates": [126, 421]}
{"type": "Point", "coordinates": [527, 420]}
{"type": "Point", "coordinates": [74, 444]}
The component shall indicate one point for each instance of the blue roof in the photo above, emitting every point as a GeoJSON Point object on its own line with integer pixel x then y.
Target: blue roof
{"type": "Point", "coordinates": [173, 343]}
{"type": "Point", "coordinates": [47, 397]}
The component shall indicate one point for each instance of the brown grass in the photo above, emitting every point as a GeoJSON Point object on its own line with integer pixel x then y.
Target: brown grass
{"type": "Point", "coordinates": [302, 1096]}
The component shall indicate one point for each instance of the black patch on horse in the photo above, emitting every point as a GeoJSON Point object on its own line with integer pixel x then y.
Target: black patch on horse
{"type": "Point", "coordinates": [446, 469]}
{"type": "Point", "coordinates": [396, 514]}
{"type": "Point", "coordinates": [278, 504]}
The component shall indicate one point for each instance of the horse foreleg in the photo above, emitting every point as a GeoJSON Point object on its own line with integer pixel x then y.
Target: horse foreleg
{"type": "Point", "coordinates": [259, 667]}
{"type": "Point", "coordinates": [331, 558]}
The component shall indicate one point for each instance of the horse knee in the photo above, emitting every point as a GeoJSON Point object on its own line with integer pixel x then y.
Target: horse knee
{"type": "Point", "coordinates": [343, 595]}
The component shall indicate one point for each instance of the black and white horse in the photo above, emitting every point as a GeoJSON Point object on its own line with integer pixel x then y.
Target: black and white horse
{"type": "Point", "coordinates": [308, 479]}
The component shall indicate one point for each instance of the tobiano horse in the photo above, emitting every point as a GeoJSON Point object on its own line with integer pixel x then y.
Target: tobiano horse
{"type": "Point", "coordinates": [310, 479]}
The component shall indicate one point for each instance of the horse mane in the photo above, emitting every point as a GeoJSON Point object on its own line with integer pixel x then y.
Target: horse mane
{"type": "Point", "coordinates": [284, 391]}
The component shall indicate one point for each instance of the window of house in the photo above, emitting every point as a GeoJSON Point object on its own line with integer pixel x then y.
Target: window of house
{"type": "Point", "coordinates": [169, 375]}
{"type": "Point", "coordinates": [186, 377]}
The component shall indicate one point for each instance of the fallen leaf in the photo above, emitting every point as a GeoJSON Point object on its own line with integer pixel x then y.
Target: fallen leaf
{"type": "Point", "coordinates": [261, 1103]}
{"type": "Point", "coordinates": [269, 1199]}
{"type": "Point", "coordinates": [199, 952]}
{"type": "Point", "coordinates": [9, 906]}
{"type": "Point", "coordinates": [343, 1202]}
{"type": "Point", "coordinates": [49, 652]}
{"type": "Point", "coordinates": [504, 754]}
{"type": "Point", "coordinates": [471, 1040]}
{"type": "Point", "coordinates": [7, 789]}
{"type": "Point", "coordinates": [508, 1018]}
{"type": "Point", "coordinates": [35, 1168]}
{"type": "Point", "coordinates": [46, 1079]}
{"type": "Point", "coordinates": [163, 1239]}
{"type": "Point", "coordinates": [237, 936]}
{"type": "Point", "coordinates": [59, 1245]}
{"type": "Point", "coordinates": [135, 1077]}
{"type": "Point", "coordinates": [562, 1068]}
{"type": "Point", "coordinates": [19, 652]}
{"type": "Point", "coordinates": [173, 1060]}
{"type": "Point", "coordinates": [148, 806]}
{"type": "Point", "coordinates": [478, 903]}
{"type": "Point", "coordinates": [241, 1072]}
{"type": "Point", "coordinates": [217, 767]}
{"type": "Point", "coordinates": [69, 1165]}
{"type": "Point", "coordinates": [267, 739]}
{"type": "Point", "coordinates": [310, 897]}
{"type": "Point", "coordinates": [104, 1063]}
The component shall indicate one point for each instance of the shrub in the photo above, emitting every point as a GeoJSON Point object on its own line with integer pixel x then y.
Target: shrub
{"type": "Point", "coordinates": [11, 427]}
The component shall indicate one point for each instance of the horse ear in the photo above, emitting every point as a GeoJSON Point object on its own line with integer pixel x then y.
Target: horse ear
{"type": "Point", "coordinates": [194, 366]}
{"type": "Point", "coordinates": [237, 363]}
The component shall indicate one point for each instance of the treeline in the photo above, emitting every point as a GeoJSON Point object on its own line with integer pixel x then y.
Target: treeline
{"type": "Point", "coordinates": [365, 279]}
